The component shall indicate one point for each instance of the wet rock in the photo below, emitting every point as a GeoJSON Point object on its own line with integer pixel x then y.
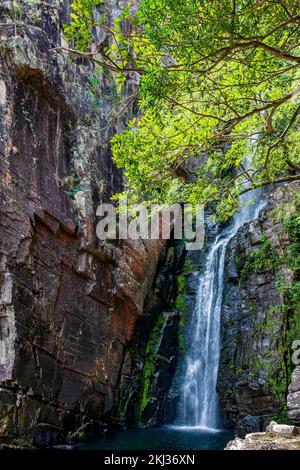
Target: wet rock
{"type": "Point", "coordinates": [63, 447]}
{"type": "Point", "coordinates": [151, 358]}
{"type": "Point", "coordinates": [247, 425]}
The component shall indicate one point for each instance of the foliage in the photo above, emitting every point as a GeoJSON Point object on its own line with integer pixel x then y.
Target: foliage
{"type": "Point", "coordinates": [181, 300]}
{"type": "Point", "coordinates": [83, 21]}
{"type": "Point", "coordinates": [219, 83]}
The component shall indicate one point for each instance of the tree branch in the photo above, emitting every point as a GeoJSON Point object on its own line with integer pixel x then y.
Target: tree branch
{"type": "Point", "coordinates": [283, 179]}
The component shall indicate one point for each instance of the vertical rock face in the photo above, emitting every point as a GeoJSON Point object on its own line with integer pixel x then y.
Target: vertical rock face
{"type": "Point", "coordinates": [68, 302]}
{"type": "Point", "coordinates": [8, 328]}
{"type": "Point", "coordinates": [293, 400]}
{"type": "Point", "coordinates": [255, 365]}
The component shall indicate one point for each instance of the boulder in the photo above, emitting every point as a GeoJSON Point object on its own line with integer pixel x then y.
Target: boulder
{"type": "Point", "coordinates": [293, 399]}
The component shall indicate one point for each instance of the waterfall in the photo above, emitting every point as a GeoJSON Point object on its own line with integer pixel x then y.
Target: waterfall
{"type": "Point", "coordinates": [198, 404]}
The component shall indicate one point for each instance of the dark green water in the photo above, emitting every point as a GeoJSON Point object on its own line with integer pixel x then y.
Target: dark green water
{"type": "Point", "coordinates": [163, 438]}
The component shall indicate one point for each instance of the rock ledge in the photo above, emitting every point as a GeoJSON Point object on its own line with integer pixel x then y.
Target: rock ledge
{"type": "Point", "coordinates": [276, 437]}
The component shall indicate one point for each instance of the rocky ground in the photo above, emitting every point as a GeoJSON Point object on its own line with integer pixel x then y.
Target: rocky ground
{"type": "Point", "coordinates": [276, 437]}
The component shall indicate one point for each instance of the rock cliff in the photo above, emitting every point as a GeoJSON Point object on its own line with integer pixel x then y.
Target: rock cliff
{"type": "Point", "coordinates": [276, 437]}
{"type": "Point", "coordinates": [69, 303]}
{"type": "Point", "coordinates": [260, 317]}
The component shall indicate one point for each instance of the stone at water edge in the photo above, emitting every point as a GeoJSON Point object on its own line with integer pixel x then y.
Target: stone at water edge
{"type": "Point", "coordinates": [276, 437]}
{"type": "Point", "coordinates": [282, 429]}
{"type": "Point", "coordinates": [293, 399]}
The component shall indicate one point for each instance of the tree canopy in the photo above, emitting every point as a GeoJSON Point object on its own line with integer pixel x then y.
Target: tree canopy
{"type": "Point", "coordinates": [218, 93]}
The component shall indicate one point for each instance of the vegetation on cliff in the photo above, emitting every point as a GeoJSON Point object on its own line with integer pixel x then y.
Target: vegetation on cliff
{"type": "Point", "coordinates": [284, 264]}
{"type": "Point", "coordinates": [219, 80]}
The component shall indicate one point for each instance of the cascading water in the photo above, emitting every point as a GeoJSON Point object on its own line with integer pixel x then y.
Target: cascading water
{"type": "Point", "coordinates": [198, 405]}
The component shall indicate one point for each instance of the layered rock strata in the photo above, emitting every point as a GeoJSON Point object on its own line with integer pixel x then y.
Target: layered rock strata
{"type": "Point", "coordinates": [68, 302]}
